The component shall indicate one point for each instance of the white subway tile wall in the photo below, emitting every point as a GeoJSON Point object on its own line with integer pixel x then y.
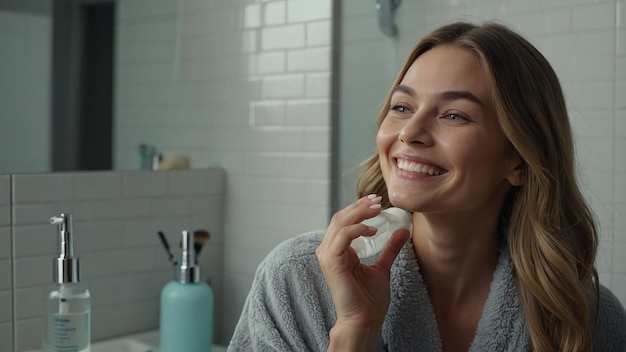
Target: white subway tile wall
{"type": "Point", "coordinates": [25, 91]}
{"type": "Point", "coordinates": [583, 39]}
{"type": "Point", "coordinates": [117, 216]}
{"type": "Point", "coordinates": [244, 85]}
{"type": "Point", "coordinates": [618, 270]}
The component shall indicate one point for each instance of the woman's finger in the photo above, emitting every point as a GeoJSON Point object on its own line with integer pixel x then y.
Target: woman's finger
{"type": "Point", "coordinates": [343, 238]}
{"type": "Point", "coordinates": [392, 248]}
{"type": "Point", "coordinates": [364, 208]}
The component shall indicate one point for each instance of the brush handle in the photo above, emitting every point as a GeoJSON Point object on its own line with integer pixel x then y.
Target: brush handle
{"type": "Point", "coordinates": [197, 247]}
{"type": "Point", "coordinates": [167, 248]}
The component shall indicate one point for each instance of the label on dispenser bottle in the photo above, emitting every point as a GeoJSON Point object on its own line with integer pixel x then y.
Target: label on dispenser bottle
{"type": "Point", "coordinates": [68, 332]}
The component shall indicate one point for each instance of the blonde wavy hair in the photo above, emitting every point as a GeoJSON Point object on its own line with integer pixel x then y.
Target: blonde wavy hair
{"type": "Point", "coordinates": [549, 227]}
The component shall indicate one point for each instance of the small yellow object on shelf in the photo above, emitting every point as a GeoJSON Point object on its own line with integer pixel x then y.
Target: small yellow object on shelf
{"type": "Point", "coordinates": [171, 161]}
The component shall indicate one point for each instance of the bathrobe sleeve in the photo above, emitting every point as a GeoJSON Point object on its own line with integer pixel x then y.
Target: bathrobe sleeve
{"type": "Point", "coordinates": [288, 307]}
{"type": "Point", "coordinates": [610, 333]}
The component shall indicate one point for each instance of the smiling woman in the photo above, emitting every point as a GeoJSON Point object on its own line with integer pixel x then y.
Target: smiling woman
{"type": "Point", "coordinates": [474, 141]}
{"type": "Point", "coordinates": [531, 132]}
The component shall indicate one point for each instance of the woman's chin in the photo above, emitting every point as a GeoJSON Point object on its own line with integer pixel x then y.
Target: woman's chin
{"type": "Point", "coordinates": [402, 201]}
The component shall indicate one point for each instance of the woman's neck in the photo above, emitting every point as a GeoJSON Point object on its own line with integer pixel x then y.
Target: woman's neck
{"type": "Point", "coordinates": [457, 258]}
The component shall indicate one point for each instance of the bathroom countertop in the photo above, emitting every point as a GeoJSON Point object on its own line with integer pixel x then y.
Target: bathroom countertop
{"type": "Point", "coordinates": [142, 342]}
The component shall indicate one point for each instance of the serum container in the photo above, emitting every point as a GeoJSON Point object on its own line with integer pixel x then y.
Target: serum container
{"type": "Point", "coordinates": [67, 319]}
{"type": "Point", "coordinates": [186, 317]}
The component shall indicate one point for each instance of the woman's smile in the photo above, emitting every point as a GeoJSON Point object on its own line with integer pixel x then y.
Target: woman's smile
{"type": "Point", "coordinates": [411, 169]}
{"type": "Point", "coordinates": [440, 145]}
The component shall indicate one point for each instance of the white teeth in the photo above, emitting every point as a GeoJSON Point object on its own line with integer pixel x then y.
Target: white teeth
{"type": "Point", "coordinates": [419, 167]}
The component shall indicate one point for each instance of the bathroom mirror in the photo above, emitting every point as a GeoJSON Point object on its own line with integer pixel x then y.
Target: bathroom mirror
{"type": "Point", "coordinates": [86, 82]}
{"type": "Point", "coordinates": [56, 93]}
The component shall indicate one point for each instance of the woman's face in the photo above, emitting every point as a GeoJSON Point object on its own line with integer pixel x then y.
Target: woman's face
{"type": "Point", "coordinates": [440, 146]}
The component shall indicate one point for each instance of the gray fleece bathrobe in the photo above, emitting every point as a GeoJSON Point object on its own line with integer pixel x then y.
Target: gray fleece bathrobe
{"type": "Point", "coordinates": [289, 308]}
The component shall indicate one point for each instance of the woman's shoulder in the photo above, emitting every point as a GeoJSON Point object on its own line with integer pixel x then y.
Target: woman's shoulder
{"type": "Point", "coordinates": [300, 248]}
{"type": "Point", "coordinates": [611, 328]}
{"type": "Point", "coordinates": [611, 307]}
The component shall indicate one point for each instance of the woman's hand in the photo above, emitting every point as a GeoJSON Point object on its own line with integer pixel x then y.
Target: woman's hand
{"type": "Point", "coordinates": [360, 293]}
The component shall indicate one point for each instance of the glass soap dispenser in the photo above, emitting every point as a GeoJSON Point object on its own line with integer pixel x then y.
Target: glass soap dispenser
{"type": "Point", "coordinates": [186, 318]}
{"type": "Point", "coordinates": [67, 320]}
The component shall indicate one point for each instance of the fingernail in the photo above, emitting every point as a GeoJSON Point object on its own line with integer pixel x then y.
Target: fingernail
{"type": "Point", "coordinates": [375, 198]}
{"type": "Point", "coordinates": [372, 228]}
{"type": "Point", "coordinates": [375, 206]}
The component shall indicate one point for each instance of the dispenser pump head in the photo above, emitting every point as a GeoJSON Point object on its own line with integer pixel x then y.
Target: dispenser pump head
{"type": "Point", "coordinates": [189, 271]}
{"type": "Point", "coordinates": [65, 266]}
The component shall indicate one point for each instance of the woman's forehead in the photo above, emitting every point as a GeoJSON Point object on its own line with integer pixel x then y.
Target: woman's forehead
{"type": "Point", "coordinates": [447, 68]}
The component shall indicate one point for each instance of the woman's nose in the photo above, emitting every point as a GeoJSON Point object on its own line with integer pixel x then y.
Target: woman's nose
{"type": "Point", "coordinates": [417, 130]}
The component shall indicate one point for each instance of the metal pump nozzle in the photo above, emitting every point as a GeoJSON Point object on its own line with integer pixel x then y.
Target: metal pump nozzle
{"type": "Point", "coordinates": [188, 272]}
{"type": "Point", "coordinates": [66, 266]}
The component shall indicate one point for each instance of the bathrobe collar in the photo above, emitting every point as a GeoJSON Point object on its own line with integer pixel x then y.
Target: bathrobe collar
{"type": "Point", "coordinates": [411, 324]}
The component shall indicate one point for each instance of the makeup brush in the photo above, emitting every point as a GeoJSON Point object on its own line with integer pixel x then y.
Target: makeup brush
{"type": "Point", "coordinates": [167, 248]}
{"type": "Point", "coordinates": [200, 237]}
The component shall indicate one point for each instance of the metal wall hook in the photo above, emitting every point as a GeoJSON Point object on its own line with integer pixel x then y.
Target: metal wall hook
{"type": "Point", "coordinates": [385, 10]}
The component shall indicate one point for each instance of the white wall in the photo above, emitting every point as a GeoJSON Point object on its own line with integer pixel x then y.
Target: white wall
{"type": "Point", "coordinates": [240, 84]}
{"type": "Point", "coordinates": [25, 61]}
{"type": "Point", "coordinates": [585, 40]}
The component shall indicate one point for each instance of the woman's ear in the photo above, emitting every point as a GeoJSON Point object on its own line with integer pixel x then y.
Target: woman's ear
{"type": "Point", "coordinates": [516, 172]}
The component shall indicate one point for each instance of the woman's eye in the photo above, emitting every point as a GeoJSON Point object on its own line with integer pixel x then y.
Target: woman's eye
{"type": "Point", "coordinates": [400, 109]}
{"type": "Point", "coordinates": [454, 117]}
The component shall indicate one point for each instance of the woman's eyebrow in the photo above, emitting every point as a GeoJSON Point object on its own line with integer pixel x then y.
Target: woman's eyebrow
{"type": "Point", "coordinates": [460, 94]}
{"type": "Point", "coordinates": [401, 88]}
{"type": "Point", "coordinates": [447, 95]}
